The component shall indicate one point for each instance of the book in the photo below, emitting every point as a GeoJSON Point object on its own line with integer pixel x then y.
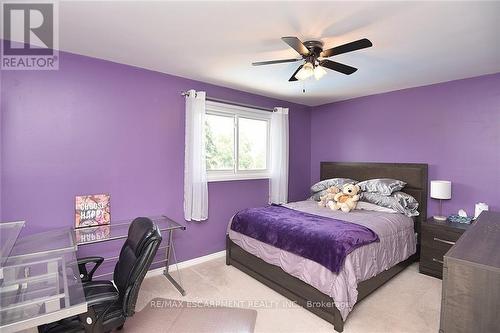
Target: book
{"type": "Point", "coordinates": [92, 210]}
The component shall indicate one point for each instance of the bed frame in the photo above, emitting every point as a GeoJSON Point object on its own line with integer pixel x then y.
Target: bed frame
{"type": "Point", "coordinates": [415, 175]}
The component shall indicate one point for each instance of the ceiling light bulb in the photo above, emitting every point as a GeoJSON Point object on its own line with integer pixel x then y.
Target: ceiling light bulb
{"type": "Point", "coordinates": [305, 72]}
{"type": "Point", "coordinates": [308, 66]}
{"type": "Point", "coordinates": [319, 72]}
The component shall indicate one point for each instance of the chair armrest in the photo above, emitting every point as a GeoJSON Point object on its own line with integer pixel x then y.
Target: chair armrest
{"type": "Point", "coordinates": [85, 274]}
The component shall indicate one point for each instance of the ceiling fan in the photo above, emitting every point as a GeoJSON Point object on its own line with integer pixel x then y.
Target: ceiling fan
{"type": "Point", "coordinates": [313, 55]}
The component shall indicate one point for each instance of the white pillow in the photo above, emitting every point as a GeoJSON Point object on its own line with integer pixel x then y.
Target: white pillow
{"type": "Point", "coordinates": [376, 208]}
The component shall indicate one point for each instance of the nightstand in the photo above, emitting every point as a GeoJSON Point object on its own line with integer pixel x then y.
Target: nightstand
{"type": "Point", "coordinates": [436, 239]}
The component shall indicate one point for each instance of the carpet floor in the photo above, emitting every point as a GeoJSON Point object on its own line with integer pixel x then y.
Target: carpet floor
{"type": "Point", "coordinates": [167, 315]}
{"type": "Point", "coordinates": [410, 302]}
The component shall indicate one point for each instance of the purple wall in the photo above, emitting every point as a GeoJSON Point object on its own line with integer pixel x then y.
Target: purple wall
{"type": "Point", "coordinates": [1, 140]}
{"type": "Point", "coordinates": [99, 127]}
{"type": "Point", "coordinates": [96, 126]}
{"type": "Point", "coordinates": [452, 126]}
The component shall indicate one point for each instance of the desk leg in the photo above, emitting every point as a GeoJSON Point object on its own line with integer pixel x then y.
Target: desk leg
{"type": "Point", "coordinates": [166, 272]}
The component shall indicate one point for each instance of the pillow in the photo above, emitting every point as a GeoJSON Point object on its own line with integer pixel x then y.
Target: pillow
{"type": "Point", "coordinates": [324, 184]}
{"type": "Point", "coordinates": [384, 186]}
{"type": "Point", "coordinates": [399, 201]}
{"type": "Point", "coordinates": [363, 205]}
{"type": "Point", "coordinates": [316, 196]}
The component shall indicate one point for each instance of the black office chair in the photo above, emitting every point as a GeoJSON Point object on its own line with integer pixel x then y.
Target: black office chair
{"type": "Point", "coordinates": [109, 306]}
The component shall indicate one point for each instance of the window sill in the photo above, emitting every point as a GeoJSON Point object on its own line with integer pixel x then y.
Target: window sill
{"type": "Point", "coordinates": [228, 178]}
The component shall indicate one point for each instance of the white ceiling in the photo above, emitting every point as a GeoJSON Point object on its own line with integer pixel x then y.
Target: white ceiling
{"type": "Point", "coordinates": [415, 43]}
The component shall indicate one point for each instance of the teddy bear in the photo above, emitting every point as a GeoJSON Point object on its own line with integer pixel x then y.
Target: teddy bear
{"type": "Point", "coordinates": [328, 196]}
{"type": "Point", "coordinates": [347, 199]}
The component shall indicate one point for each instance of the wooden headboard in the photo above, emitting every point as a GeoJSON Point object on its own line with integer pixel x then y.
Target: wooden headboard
{"type": "Point", "coordinates": [414, 174]}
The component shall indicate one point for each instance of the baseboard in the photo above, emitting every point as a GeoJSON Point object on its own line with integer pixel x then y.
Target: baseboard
{"type": "Point", "coordinates": [187, 263]}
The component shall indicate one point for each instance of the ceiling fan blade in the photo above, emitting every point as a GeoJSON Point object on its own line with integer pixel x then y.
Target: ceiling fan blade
{"type": "Point", "coordinates": [260, 63]}
{"type": "Point", "coordinates": [293, 78]}
{"type": "Point", "coordinates": [337, 66]}
{"type": "Point", "coordinates": [352, 46]}
{"type": "Point", "coordinates": [296, 44]}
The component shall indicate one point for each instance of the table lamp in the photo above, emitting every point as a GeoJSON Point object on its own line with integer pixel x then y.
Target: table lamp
{"type": "Point", "coordinates": [440, 189]}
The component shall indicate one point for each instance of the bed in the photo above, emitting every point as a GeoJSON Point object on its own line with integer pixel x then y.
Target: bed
{"type": "Point", "coordinates": [314, 295]}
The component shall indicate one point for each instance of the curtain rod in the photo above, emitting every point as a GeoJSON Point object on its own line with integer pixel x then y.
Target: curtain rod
{"type": "Point", "coordinates": [185, 93]}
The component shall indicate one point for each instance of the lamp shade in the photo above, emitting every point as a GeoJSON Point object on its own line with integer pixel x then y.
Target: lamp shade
{"type": "Point", "coordinates": [305, 72]}
{"type": "Point", "coordinates": [440, 189]}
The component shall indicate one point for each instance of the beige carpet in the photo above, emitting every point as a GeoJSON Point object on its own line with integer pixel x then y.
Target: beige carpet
{"type": "Point", "coordinates": [167, 315]}
{"type": "Point", "coordinates": [410, 302]}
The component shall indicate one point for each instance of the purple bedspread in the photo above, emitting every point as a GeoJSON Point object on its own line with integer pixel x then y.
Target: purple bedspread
{"type": "Point", "coordinates": [324, 240]}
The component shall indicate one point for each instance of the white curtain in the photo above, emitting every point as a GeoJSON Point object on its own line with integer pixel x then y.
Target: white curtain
{"type": "Point", "coordinates": [278, 184]}
{"type": "Point", "coordinates": [195, 170]}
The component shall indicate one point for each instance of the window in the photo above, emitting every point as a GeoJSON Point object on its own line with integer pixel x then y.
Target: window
{"type": "Point", "coordinates": [236, 142]}
{"type": "Point", "coordinates": [219, 145]}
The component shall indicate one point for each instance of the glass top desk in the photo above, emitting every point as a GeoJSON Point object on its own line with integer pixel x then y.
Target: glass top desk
{"type": "Point", "coordinates": [9, 231]}
{"type": "Point", "coordinates": [39, 279]}
{"type": "Point", "coordinates": [119, 230]}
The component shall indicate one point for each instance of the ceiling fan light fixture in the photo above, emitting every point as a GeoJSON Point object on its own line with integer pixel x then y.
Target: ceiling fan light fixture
{"type": "Point", "coordinates": [305, 72]}
{"type": "Point", "coordinates": [313, 57]}
{"type": "Point", "coordinates": [319, 72]}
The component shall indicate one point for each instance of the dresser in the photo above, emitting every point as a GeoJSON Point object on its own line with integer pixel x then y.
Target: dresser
{"type": "Point", "coordinates": [437, 238]}
{"type": "Point", "coordinates": [471, 279]}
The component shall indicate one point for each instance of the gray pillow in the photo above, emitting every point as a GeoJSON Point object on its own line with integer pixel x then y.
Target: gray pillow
{"type": "Point", "coordinates": [399, 201]}
{"type": "Point", "coordinates": [324, 184]}
{"type": "Point", "coordinates": [384, 186]}
{"type": "Point", "coordinates": [316, 196]}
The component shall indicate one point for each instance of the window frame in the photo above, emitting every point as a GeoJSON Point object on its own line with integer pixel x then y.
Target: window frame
{"type": "Point", "coordinates": [237, 112]}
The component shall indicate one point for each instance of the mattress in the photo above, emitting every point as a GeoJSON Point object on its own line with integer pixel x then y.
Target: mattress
{"type": "Point", "coordinates": [397, 243]}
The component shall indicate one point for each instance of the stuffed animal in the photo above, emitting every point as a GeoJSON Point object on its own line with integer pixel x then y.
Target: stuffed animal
{"type": "Point", "coordinates": [347, 199]}
{"type": "Point", "coordinates": [328, 196]}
